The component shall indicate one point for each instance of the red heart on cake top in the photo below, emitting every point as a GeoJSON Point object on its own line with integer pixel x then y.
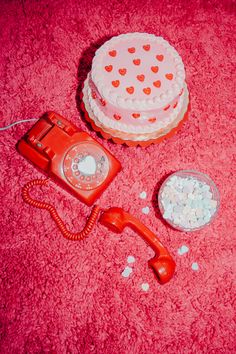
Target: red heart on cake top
{"type": "Point", "coordinates": [136, 61]}
{"type": "Point", "coordinates": [141, 77]}
{"type": "Point", "coordinates": [152, 120]}
{"type": "Point", "coordinates": [117, 117]}
{"type": "Point", "coordinates": [131, 50]}
{"type": "Point", "coordinates": [136, 115]}
{"type": "Point", "coordinates": [167, 107]}
{"type": "Point", "coordinates": [130, 90]}
{"type": "Point", "coordinates": [160, 57]}
{"type": "Point", "coordinates": [109, 68]}
{"type": "Point", "coordinates": [116, 83]}
{"type": "Point", "coordinates": [157, 83]}
{"type": "Point", "coordinates": [169, 76]}
{"type": "Point", "coordinates": [155, 69]}
{"type": "Point", "coordinates": [122, 71]}
{"type": "Point", "coordinates": [147, 90]}
{"type": "Point", "coordinates": [175, 105]}
{"type": "Point", "coordinates": [112, 53]}
{"type": "Point", "coordinates": [146, 47]}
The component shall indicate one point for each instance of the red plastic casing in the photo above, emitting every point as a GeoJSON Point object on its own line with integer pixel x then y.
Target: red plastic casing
{"type": "Point", "coordinates": [52, 144]}
{"type": "Point", "coordinates": [163, 265]}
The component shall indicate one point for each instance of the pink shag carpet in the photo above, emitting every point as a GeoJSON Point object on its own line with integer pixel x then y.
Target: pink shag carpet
{"type": "Point", "coordinates": [64, 297]}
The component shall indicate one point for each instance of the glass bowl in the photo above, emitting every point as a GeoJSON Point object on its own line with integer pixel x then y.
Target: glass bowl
{"type": "Point", "coordinates": [204, 196]}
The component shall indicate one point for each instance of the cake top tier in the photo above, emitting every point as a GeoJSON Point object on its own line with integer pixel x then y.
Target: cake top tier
{"type": "Point", "coordinates": [138, 71]}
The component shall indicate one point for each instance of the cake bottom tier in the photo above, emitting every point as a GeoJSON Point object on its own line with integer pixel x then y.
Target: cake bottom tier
{"type": "Point", "coordinates": [142, 139]}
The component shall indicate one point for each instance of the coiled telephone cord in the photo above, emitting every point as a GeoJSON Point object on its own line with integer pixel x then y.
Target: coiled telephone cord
{"type": "Point", "coordinates": [78, 236]}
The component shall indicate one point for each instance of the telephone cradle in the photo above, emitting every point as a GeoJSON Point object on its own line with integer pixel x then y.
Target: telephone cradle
{"type": "Point", "coordinates": [82, 166]}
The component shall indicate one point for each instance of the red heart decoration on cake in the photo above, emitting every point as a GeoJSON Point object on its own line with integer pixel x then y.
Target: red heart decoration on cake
{"type": "Point", "coordinates": [117, 117]}
{"type": "Point", "coordinates": [146, 47]}
{"type": "Point", "coordinates": [130, 90]}
{"type": "Point", "coordinates": [169, 76]}
{"type": "Point", "coordinates": [157, 83]}
{"type": "Point", "coordinates": [94, 96]}
{"type": "Point", "coordinates": [112, 53]}
{"type": "Point", "coordinates": [116, 83]}
{"type": "Point", "coordinates": [136, 115]}
{"type": "Point", "coordinates": [147, 90]}
{"type": "Point", "coordinates": [152, 120]}
{"type": "Point", "coordinates": [160, 57]}
{"type": "Point", "coordinates": [103, 102]}
{"type": "Point", "coordinates": [167, 107]}
{"type": "Point", "coordinates": [155, 69]}
{"type": "Point", "coordinates": [175, 105]}
{"type": "Point", "coordinates": [109, 68]}
{"type": "Point", "coordinates": [131, 50]}
{"type": "Point", "coordinates": [122, 71]}
{"type": "Point", "coordinates": [141, 77]}
{"type": "Point", "coordinates": [136, 61]}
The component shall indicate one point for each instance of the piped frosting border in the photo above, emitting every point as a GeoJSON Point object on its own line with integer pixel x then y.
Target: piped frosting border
{"type": "Point", "coordinates": [136, 129]}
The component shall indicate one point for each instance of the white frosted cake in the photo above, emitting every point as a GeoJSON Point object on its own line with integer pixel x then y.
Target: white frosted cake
{"type": "Point", "coordinates": [136, 89]}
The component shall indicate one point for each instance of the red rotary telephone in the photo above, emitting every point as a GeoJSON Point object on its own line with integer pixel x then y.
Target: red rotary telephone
{"type": "Point", "coordinates": [85, 168]}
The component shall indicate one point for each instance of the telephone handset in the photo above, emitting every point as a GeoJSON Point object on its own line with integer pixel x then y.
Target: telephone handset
{"type": "Point", "coordinates": [163, 265]}
{"type": "Point", "coordinates": [85, 168]}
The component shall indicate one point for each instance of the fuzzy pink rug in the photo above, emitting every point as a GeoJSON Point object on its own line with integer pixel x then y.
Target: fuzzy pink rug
{"type": "Point", "coordinates": [64, 297]}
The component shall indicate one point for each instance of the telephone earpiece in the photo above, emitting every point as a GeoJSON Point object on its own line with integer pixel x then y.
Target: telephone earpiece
{"type": "Point", "coordinates": [163, 265]}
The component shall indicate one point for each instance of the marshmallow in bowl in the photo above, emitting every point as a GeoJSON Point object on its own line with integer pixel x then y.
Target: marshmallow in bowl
{"type": "Point", "coordinates": [187, 202]}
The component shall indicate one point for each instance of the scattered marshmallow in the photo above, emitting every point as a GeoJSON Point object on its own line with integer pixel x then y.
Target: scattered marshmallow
{"type": "Point", "coordinates": [187, 202]}
{"type": "Point", "coordinates": [145, 286]}
{"type": "Point", "coordinates": [146, 210]}
{"type": "Point", "coordinates": [182, 250]}
{"type": "Point", "coordinates": [195, 266]}
{"type": "Point", "coordinates": [143, 195]}
{"type": "Point", "coordinates": [130, 259]}
{"type": "Point", "coordinates": [126, 272]}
